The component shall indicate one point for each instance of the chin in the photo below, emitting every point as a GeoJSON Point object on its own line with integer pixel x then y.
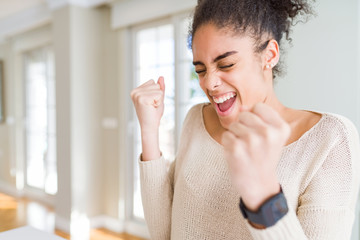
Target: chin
{"type": "Point", "coordinates": [225, 123]}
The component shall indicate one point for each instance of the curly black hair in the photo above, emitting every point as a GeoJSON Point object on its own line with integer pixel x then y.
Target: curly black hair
{"type": "Point", "coordinates": [262, 19]}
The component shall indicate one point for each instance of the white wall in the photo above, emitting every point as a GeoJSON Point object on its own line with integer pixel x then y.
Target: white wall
{"type": "Point", "coordinates": [61, 46]}
{"type": "Point", "coordinates": [87, 93]}
{"type": "Point", "coordinates": [86, 97]}
{"type": "Point", "coordinates": [323, 64]}
{"type": "Point", "coordinates": [7, 129]}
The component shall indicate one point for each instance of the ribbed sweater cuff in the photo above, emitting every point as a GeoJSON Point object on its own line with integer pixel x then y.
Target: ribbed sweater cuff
{"type": "Point", "coordinates": [148, 168]}
{"type": "Point", "coordinates": [286, 228]}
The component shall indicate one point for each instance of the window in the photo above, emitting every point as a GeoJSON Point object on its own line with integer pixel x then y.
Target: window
{"type": "Point", "coordinates": [40, 130]}
{"type": "Point", "coordinates": [162, 50]}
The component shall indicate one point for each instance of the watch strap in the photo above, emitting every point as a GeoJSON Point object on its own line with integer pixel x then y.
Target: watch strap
{"type": "Point", "coordinates": [269, 213]}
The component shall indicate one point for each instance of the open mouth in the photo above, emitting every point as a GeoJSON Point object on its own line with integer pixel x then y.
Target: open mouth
{"type": "Point", "coordinates": [225, 102]}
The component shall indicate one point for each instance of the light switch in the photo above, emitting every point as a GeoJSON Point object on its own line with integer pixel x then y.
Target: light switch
{"type": "Point", "coordinates": [109, 123]}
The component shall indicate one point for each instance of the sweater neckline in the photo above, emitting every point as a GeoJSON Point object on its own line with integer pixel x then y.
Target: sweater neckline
{"type": "Point", "coordinates": [312, 129]}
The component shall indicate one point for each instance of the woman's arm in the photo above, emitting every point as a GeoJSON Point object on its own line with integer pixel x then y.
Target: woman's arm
{"type": "Point", "coordinates": [327, 206]}
{"type": "Point", "coordinates": [156, 179]}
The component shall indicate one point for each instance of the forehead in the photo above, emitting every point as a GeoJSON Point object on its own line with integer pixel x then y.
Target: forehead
{"type": "Point", "coordinates": [210, 41]}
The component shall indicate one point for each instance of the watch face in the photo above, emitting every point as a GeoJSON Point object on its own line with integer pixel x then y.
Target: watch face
{"type": "Point", "coordinates": [269, 213]}
{"type": "Point", "coordinates": [281, 206]}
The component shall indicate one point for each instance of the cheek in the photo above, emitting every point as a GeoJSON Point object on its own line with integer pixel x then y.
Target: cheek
{"type": "Point", "coordinates": [202, 85]}
{"type": "Point", "coordinates": [201, 82]}
{"type": "Point", "coordinates": [236, 80]}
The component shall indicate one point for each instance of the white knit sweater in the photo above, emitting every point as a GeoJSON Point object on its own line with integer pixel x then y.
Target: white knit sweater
{"type": "Point", "coordinates": [194, 197]}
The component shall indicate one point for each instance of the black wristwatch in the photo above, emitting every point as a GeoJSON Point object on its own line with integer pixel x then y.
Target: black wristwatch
{"type": "Point", "coordinates": [269, 213]}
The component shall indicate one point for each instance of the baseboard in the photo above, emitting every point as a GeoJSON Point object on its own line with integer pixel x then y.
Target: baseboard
{"type": "Point", "coordinates": [40, 196]}
{"type": "Point", "coordinates": [115, 225]}
{"type": "Point", "coordinates": [62, 224]}
{"type": "Point", "coordinates": [103, 221]}
{"type": "Point", "coordinates": [10, 190]}
{"type": "Point", "coordinates": [110, 223]}
{"type": "Point", "coordinates": [137, 229]}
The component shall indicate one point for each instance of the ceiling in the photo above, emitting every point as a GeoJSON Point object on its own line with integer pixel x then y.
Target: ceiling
{"type": "Point", "coordinates": [10, 7]}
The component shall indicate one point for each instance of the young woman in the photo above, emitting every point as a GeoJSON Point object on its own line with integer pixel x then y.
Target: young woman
{"type": "Point", "coordinates": [247, 166]}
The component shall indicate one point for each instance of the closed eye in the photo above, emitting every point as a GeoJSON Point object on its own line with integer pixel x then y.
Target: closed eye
{"type": "Point", "coordinates": [199, 71]}
{"type": "Point", "coordinates": [226, 66]}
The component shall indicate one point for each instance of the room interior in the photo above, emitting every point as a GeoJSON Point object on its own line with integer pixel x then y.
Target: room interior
{"type": "Point", "coordinates": [68, 134]}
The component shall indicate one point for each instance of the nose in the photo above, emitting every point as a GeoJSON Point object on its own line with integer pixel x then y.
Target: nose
{"type": "Point", "coordinates": [212, 80]}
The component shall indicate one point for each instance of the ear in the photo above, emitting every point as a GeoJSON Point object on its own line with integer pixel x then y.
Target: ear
{"type": "Point", "coordinates": [271, 55]}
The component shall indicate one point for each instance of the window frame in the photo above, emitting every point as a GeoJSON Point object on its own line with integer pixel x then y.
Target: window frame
{"type": "Point", "coordinates": [133, 224]}
{"type": "Point", "coordinates": [133, 122]}
{"type": "Point", "coordinates": [39, 38]}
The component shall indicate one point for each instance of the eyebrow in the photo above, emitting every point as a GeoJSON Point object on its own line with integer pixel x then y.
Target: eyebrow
{"type": "Point", "coordinates": [218, 58]}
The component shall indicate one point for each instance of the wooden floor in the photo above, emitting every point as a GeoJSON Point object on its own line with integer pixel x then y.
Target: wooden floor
{"type": "Point", "coordinates": [20, 212]}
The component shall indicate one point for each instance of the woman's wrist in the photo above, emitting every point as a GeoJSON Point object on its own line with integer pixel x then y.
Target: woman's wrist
{"type": "Point", "coordinates": [150, 145]}
{"type": "Point", "coordinates": [269, 213]}
{"type": "Point", "coordinates": [254, 199]}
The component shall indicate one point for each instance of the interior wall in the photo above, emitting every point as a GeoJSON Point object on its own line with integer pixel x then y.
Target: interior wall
{"type": "Point", "coordinates": [322, 65]}
{"type": "Point", "coordinates": [79, 75]}
{"type": "Point", "coordinates": [61, 45]}
{"type": "Point", "coordinates": [110, 113]}
{"type": "Point", "coordinates": [7, 174]}
{"type": "Point", "coordinates": [87, 112]}
{"type": "Point", "coordinates": [125, 63]}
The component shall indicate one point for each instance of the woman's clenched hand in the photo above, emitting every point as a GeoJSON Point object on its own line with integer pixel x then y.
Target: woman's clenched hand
{"type": "Point", "coordinates": [253, 147]}
{"type": "Point", "coordinates": [148, 100]}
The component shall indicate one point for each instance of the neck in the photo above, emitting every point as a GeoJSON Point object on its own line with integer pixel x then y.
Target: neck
{"type": "Point", "coordinates": [289, 115]}
{"type": "Point", "coordinates": [272, 101]}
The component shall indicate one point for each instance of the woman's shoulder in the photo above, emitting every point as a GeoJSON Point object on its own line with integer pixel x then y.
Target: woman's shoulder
{"type": "Point", "coordinates": [345, 132]}
{"type": "Point", "coordinates": [194, 113]}
{"type": "Point", "coordinates": [337, 134]}
{"type": "Point", "coordinates": [340, 124]}
{"type": "Point", "coordinates": [329, 130]}
{"type": "Point", "coordinates": [197, 108]}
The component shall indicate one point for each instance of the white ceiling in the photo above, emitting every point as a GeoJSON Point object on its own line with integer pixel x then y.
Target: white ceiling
{"type": "Point", "coordinates": [10, 7]}
{"type": "Point", "coordinates": [17, 16]}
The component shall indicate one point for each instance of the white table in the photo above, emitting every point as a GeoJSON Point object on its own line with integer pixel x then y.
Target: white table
{"type": "Point", "coordinates": [27, 233]}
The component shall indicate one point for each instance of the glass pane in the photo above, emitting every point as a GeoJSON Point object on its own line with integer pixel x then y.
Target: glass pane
{"type": "Point", "coordinates": [146, 47]}
{"type": "Point", "coordinates": [52, 122]}
{"type": "Point", "coordinates": [40, 119]}
{"type": "Point", "coordinates": [36, 149]}
{"type": "Point", "coordinates": [51, 176]}
{"type": "Point", "coordinates": [185, 40]}
{"type": "Point", "coordinates": [36, 93]}
{"type": "Point", "coordinates": [51, 93]}
{"type": "Point", "coordinates": [165, 45]}
{"type": "Point", "coordinates": [191, 93]}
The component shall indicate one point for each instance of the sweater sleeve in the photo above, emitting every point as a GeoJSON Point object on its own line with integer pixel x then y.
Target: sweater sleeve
{"type": "Point", "coordinates": [327, 207]}
{"type": "Point", "coordinates": [156, 180]}
{"type": "Point", "coordinates": [157, 185]}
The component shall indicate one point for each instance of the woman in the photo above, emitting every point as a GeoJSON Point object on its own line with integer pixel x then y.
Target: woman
{"type": "Point", "coordinates": [247, 166]}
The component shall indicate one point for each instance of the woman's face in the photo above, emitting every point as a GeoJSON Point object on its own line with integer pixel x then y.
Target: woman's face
{"type": "Point", "coordinates": [230, 73]}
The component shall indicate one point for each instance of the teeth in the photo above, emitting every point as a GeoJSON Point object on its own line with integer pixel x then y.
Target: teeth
{"type": "Point", "coordinates": [224, 97]}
